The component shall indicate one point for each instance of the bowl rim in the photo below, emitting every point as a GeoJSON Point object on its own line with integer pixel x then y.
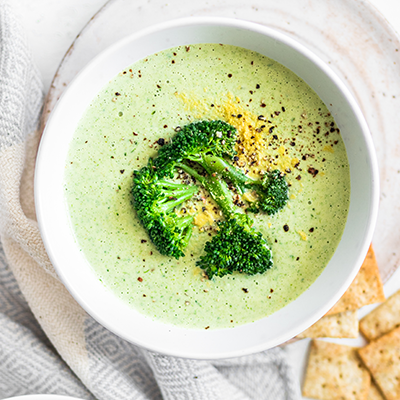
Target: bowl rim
{"type": "Point", "coordinates": [305, 52]}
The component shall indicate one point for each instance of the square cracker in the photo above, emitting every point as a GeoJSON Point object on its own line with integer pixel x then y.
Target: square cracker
{"type": "Point", "coordinates": [342, 325]}
{"type": "Point", "coordinates": [383, 319]}
{"type": "Point", "coordinates": [382, 357]}
{"type": "Point", "coordinates": [367, 287]}
{"type": "Point", "coordinates": [374, 393]}
{"type": "Point", "coordinates": [335, 372]}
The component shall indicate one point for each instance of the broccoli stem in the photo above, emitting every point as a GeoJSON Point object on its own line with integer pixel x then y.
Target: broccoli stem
{"type": "Point", "coordinates": [219, 165]}
{"type": "Point", "coordinates": [175, 195]}
{"type": "Point", "coordinates": [217, 188]}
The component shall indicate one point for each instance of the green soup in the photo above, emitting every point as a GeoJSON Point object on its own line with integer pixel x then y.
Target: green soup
{"type": "Point", "coordinates": [282, 124]}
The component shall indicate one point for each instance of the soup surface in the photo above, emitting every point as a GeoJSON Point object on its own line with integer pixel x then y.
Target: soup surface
{"type": "Point", "coordinates": [282, 124]}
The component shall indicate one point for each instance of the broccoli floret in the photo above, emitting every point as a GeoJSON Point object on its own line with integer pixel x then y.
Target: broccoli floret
{"type": "Point", "coordinates": [155, 200]}
{"type": "Point", "coordinates": [193, 142]}
{"type": "Point", "coordinates": [272, 192]}
{"type": "Point", "coordinates": [236, 247]}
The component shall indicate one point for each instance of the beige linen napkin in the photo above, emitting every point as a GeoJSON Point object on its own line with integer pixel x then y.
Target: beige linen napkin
{"type": "Point", "coordinates": [48, 344]}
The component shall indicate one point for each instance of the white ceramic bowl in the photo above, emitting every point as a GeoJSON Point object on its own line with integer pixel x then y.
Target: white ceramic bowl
{"type": "Point", "coordinates": [76, 273]}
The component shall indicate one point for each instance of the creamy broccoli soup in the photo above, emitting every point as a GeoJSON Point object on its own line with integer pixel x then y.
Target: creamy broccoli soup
{"type": "Point", "coordinates": [282, 124]}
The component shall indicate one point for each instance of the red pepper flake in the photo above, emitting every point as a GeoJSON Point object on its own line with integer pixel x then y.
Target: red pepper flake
{"type": "Point", "coordinates": [140, 279]}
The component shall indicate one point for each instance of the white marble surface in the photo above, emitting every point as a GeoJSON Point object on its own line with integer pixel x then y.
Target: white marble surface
{"type": "Point", "coordinates": [51, 27]}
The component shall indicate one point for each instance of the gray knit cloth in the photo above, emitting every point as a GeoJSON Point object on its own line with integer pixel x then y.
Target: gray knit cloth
{"type": "Point", "coordinates": [44, 346]}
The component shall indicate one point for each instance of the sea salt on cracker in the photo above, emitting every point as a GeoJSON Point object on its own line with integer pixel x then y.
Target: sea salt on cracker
{"type": "Point", "coordinates": [367, 287]}
{"type": "Point", "coordinates": [342, 325]}
{"type": "Point", "coordinates": [383, 319]}
{"type": "Point", "coordinates": [382, 357]}
{"type": "Point", "coordinates": [335, 372]}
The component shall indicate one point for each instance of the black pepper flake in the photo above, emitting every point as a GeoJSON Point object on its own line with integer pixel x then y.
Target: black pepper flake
{"type": "Point", "coordinates": [263, 105]}
{"type": "Point", "coordinates": [292, 143]}
{"type": "Point", "coordinates": [298, 177]}
{"type": "Point", "coordinates": [261, 118]}
{"type": "Point", "coordinates": [140, 279]}
{"type": "Point", "coordinates": [122, 171]}
{"type": "Point", "coordinates": [159, 86]}
{"type": "Point", "coordinates": [271, 129]}
{"type": "Point", "coordinates": [275, 137]}
{"type": "Point", "coordinates": [173, 61]}
{"type": "Point", "coordinates": [311, 230]}
{"type": "Point", "coordinates": [298, 258]}
{"type": "Point", "coordinates": [143, 241]}
{"type": "Point", "coordinates": [236, 158]}
{"type": "Point", "coordinates": [283, 109]}
{"type": "Point", "coordinates": [313, 171]}
{"type": "Point", "coordinates": [229, 75]}
{"type": "Point", "coordinates": [165, 126]}
{"type": "Point", "coordinates": [207, 327]}
{"type": "Point", "coordinates": [203, 209]}
{"type": "Point", "coordinates": [135, 134]}
{"type": "Point", "coordinates": [286, 227]}
{"type": "Point", "coordinates": [117, 94]}
{"type": "Point", "coordinates": [239, 115]}
{"type": "Point", "coordinates": [161, 141]}
{"type": "Point", "coordinates": [144, 295]}
{"type": "Point", "coordinates": [212, 105]}
{"type": "Point", "coordinates": [271, 291]}
{"type": "Point", "coordinates": [245, 290]}
{"type": "Point", "coordinates": [257, 86]}
{"type": "Point", "coordinates": [277, 112]}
